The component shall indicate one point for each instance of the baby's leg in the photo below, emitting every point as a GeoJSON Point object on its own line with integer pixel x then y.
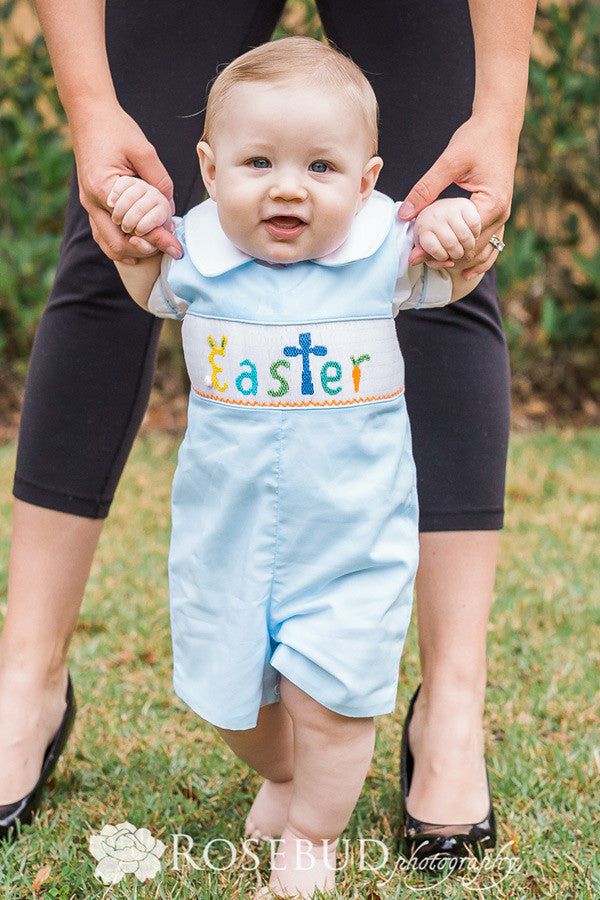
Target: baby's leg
{"type": "Point", "coordinates": [268, 748]}
{"type": "Point", "coordinates": [332, 754]}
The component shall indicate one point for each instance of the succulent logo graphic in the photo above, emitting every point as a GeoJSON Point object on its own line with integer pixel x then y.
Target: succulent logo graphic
{"type": "Point", "coordinates": [123, 849]}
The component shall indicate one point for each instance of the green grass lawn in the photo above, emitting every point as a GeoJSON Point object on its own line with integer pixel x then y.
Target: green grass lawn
{"type": "Point", "coordinates": [138, 755]}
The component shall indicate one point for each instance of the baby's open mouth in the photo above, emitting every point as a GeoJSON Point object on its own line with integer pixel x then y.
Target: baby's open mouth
{"type": "Point", "coordinates": [284, 226]}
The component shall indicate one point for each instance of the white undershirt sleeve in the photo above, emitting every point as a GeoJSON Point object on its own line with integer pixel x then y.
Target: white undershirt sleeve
{"type": "Point", "coordinates": [417, 287]}
{"type": "Point", "coordinates": [163, 302]}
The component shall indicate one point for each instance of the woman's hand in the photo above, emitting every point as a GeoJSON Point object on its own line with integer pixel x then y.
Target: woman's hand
{"type": "Point", "coordinates": [107, 144]}
{"type": "Point", "coordinates": [480, 158]}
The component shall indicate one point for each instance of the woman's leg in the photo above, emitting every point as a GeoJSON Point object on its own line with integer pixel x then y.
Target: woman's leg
{"type": "Point", "coordinates": [454, 594]}
{"type": "Point", "coordinates": [91, 371]}
{"type": "Point", "coordinates": [457, 390]}
{"type": "Point", "coordinates": [36, 634]}
{"type": "Point", "coordinates": [89, 379]}
{"type": "Point", "coordinates": [459, 414]}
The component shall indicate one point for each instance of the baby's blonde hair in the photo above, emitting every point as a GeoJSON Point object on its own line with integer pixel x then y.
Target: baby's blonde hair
{"type": "Point", "coordinates": [296, 59]}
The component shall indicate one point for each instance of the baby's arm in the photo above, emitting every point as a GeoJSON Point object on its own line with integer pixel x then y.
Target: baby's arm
{"type": "Point", "coordinates": [139, 208]}
{"type": "Point", "coordinates": [447, 230]}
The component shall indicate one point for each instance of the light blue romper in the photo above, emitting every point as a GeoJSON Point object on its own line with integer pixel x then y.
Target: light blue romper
{"type": "Point", "coordinates": [294, 543]}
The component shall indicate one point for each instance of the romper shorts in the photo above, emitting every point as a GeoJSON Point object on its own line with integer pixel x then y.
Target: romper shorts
{"type": "Point", "coordinates": [287, 560]}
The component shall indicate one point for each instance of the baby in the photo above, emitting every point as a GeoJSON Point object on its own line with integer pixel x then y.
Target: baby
{"type": "Point", "coordinates": [294, 543]}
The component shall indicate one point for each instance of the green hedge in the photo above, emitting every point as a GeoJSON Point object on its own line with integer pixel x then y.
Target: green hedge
{"type": "Point", "coordinates": [549, 274]}
{"type": "Point", "coordinates": [34, 171]}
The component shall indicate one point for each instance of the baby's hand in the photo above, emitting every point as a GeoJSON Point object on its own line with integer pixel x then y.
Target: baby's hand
{"type": "Point", "coordinates": [138, 208]}
{"type": "Point", "coordinates": [447, 231]}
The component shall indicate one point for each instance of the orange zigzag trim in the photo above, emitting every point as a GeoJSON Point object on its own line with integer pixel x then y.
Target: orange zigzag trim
{"type": "Point", "coordinates": [305, 403]}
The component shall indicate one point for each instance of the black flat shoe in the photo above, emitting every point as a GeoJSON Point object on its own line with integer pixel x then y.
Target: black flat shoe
{"type": "Point", "coordinates": [24, 810]}
{"type": "Point", "coordinates": [423, 840]}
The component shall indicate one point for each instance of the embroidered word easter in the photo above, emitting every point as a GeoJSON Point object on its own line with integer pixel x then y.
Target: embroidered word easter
{"type": "Point", "coordinates": [323, 364]}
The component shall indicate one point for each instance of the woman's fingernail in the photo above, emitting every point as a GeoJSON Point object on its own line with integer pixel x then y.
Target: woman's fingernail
{"type": "Point", "coordinates": [172, 251]}
{"type": "Point", "coordinates": [407, 210]}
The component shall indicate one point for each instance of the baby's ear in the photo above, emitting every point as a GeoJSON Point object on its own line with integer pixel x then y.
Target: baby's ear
{"type": "Point", "coordinates": [369, 178]}
{"type": "Point", "coordinates": [208, 168]}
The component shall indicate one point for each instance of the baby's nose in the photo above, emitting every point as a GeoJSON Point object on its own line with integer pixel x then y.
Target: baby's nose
{"type": "Point", "coordinates": [287, 187]}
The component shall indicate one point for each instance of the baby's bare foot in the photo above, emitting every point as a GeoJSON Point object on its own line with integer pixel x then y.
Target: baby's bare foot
{"type": "Point", "coordinates": [269, 811]}
{"type": "Point", "coordinates": [300, 866]}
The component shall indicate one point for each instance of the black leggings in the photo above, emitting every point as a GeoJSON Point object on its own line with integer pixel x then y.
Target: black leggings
{"type": "Point", "coordinates": [94, 356]}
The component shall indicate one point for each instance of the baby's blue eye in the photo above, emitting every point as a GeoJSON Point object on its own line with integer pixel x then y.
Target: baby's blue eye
{"type": "Point", "coordinates": [319, 167]}
{"type": "Point", "coordinates": [260, 163]}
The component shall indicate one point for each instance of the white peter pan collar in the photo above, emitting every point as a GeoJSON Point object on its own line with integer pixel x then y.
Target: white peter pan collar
{"type": "Point", "coordinates": [212, 252]}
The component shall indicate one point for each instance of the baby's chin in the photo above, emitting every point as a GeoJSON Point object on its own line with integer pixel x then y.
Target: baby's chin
{"type": "Point", "coordinates": [284, 254]}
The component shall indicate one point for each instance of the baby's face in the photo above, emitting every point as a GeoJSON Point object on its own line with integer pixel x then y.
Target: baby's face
{"type": "Point", "coordinates": [289, 168]}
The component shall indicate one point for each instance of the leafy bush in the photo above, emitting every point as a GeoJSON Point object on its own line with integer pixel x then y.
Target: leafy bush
{"type": "Point", "coordinates": [300, 17]}
{"type": "Point", "coordinates": [34, 171]}
{"type": "Point", "coordinates": [550, 272]}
